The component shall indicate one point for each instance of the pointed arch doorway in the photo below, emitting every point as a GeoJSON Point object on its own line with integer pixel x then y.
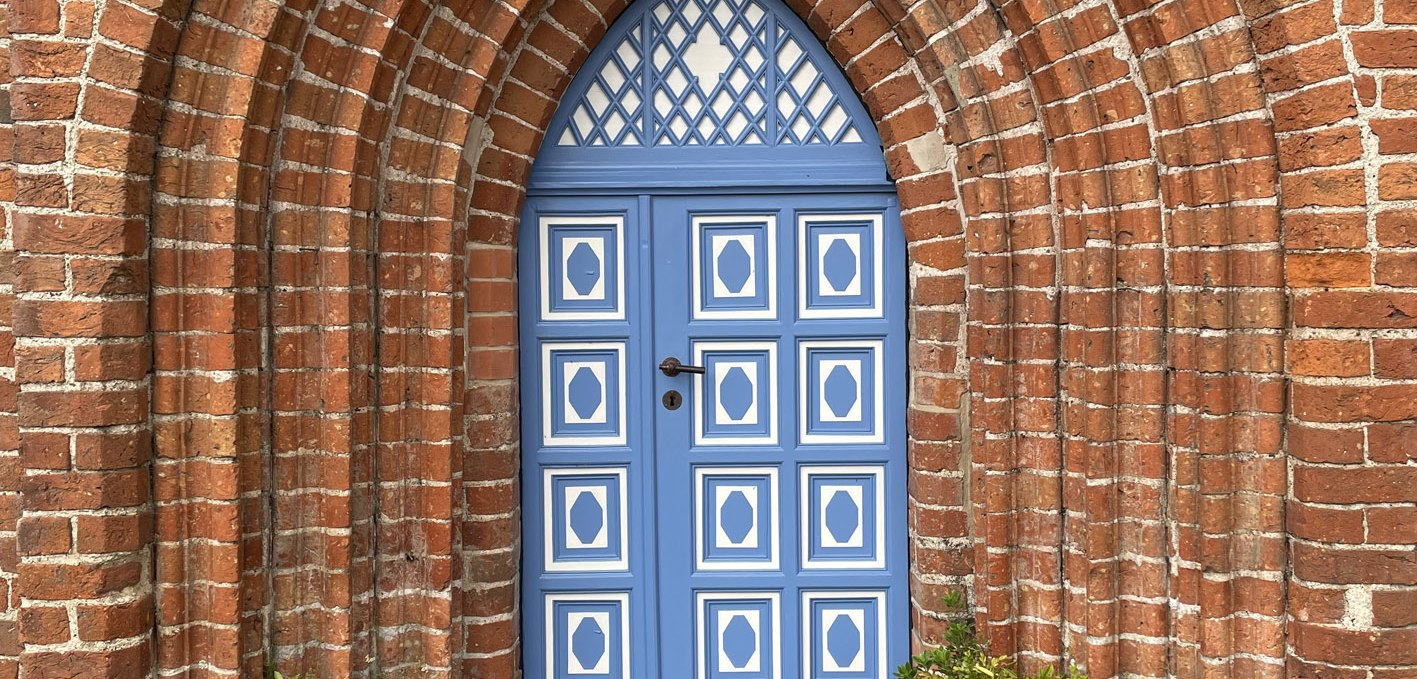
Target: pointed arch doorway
{"type": "Point", "coordinates": [713, 362]}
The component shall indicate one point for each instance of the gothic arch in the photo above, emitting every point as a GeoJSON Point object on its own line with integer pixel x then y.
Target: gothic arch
{"type": "Point", "coordinates": [1091, 192]}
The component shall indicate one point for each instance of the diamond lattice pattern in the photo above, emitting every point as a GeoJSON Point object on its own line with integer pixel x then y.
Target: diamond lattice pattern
{"type": "Point", "coordinates": [609, 112]}
{"type": "Point", "coordinates": [809, 111]}
{"type": "Point", "coordinates": [708, 73]}
{"type": "Point", "coordinates": [709, 65]}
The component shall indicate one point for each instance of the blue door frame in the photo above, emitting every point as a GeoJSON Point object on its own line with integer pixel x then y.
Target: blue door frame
{"type": "Point", "coordinates": [756, 526]}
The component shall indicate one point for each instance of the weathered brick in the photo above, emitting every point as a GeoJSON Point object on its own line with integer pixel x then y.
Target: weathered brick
{"type": "Point", "coordinates": [275, 282]}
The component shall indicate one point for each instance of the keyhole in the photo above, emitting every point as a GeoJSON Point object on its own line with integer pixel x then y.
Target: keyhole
{"type": "Point", "coordinates": [672, 399]}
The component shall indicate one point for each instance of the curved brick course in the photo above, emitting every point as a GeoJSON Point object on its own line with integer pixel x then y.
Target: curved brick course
{"type": "Point", "coordinates": [258, 297]}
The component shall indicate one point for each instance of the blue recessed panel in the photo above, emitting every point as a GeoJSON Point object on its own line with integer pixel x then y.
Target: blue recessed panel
{"type": "Point", "coordinates": [735, 267]}
{"type": "Point", "coordinates": [581, 275]}
{"type": "Point", "coordinates": [844, 635]}
{"type": "Point", "coordinates": [585, 384]}
{"type": "Point", "coordinates": [839, 265]}
{"type": "Point", "coordinates": [736, 400]}
{"type": "Point", "coordinates": [587, 635]}
{"type": "Point", "coordinates": [736, 518]}
{"type": "Point", "coordinates": [842, 517]}
{"type": "Point", "coordinates": [739, 635]}
{"type": "Point", "coordinates": [586, 520]}
{"type": "Point", "coordinates": [841, 391]}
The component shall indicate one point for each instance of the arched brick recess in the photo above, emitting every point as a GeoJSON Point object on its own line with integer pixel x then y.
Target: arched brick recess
{"type": "Point", "coordinates": [1112, 205]}
{"type": "Point", "coordinates": [895, 93]}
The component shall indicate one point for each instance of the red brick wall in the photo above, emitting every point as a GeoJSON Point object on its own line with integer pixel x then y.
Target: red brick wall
{"type": "Point", "coordinates": [79, 565]}
{"type": "Point", "coordinates": [257, 327]}
{"type": "Point", "coordinates": [1352, 359]}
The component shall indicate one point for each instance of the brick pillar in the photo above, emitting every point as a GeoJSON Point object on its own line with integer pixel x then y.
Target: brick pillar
{"type": "Point", "coordinates": [81, 361]}
{"type": "Point", "coordinates": [1352, 344]}
{"type": "Point", "coordinates": [419, 380]}
{"type": "Point", "coordinates": [211, 414]}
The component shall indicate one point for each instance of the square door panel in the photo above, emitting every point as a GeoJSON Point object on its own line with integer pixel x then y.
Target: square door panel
{"type": "Point", "coordinates": [734, 264]}
{"type": "Point", "coordinates": [843, 635]}
{"type": "Point", "coordinates": [738, 635]}
{"type": "Point", "coordinates": [582, 272]}
{"type": "Point", "coordinates": [840, 391]}
{"type": "Point", "coordinates": [839, 265]}
{"type": "Point", "coordinates": [736, 518]}
{"type": "Point", "coordinates": [586, 519]}
{"type": "Point", "coordinates": [736, 399]}
{"type": "Point", "coordinates": [584, 387]}
{"type": "Point", "coordinates": [588, 635]}
{"type": "Point", "coordinates": [842, 517]}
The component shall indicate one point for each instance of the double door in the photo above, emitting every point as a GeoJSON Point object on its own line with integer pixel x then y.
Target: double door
{"type": "Point", "coordinates": [713, 393]}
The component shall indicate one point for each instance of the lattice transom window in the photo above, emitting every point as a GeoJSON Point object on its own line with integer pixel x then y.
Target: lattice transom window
{"type": "Point", "coordinates": [708, 73]}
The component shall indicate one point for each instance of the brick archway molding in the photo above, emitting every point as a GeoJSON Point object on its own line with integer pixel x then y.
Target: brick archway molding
{"type": "Point", "coordinates": [304, 214]}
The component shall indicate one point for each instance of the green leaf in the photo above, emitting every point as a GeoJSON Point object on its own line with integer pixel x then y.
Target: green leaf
{"type": "Point", "coordinates": [962, 655]}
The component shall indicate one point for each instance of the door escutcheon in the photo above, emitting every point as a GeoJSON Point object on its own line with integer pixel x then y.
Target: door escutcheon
{"type": "Point", "coordinates": [672, 400]}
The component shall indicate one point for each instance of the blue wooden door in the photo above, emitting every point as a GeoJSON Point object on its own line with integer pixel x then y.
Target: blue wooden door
{"type": "Point", "coordinates": [587, 424]}
{"type": "Point", "coordinates": [712, 192]}
{"type": "Point", "coordinates": [758, 528]}
{"type": "Point", "coordinates": [781, 482]}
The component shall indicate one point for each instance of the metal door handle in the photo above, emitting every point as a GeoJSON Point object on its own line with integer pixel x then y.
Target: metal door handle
{"type": "Point", "coordinates": [671, 367]}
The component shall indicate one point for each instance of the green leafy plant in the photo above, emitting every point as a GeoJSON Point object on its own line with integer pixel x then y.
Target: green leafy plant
{"type": "Point", "coordinates": [961, 655]}
{"type": "Point", "coordinates": [273, 673]}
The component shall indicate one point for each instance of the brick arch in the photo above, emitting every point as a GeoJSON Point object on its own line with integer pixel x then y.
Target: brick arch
{"type": "Point", "coordinates": [906, 113]}
{"type": "Point", "coordinates": [1024, 605]}
{"type": "Point", "coordinates": [214, 129]}
{"type": "Point", "coordinates": [319, 127]}
{"type": "Point", "coordinates": [1098, 176]}
{"type": "Point", "coordinates": [994, 194]}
